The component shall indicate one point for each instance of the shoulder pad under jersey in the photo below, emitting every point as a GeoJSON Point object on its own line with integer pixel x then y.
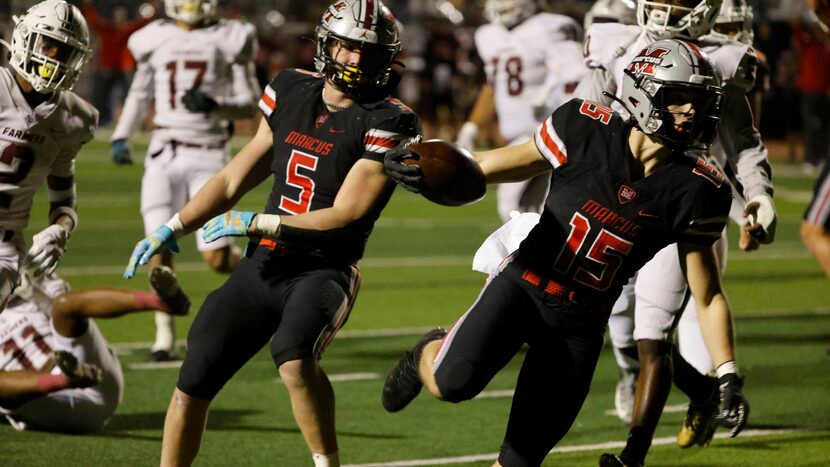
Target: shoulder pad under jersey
{"type": "Point", "coordinates": [735, 61]}
{"type": "Point", "coordinates": [552, 26]}
{"type": "Point", "coordinates": [605, 42]}
{"type": "Point", "coordinates": [146, 40]}
{"type": "Point", "coordinates": [238, 39]}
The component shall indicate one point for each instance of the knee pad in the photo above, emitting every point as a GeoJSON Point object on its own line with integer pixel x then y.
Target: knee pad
{"type": "Point", "coordinates": [196, 378]}
{"type": "Point", "coordinates": [454, 381]}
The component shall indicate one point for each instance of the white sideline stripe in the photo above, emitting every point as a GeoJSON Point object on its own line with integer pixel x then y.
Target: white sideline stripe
{"type": "Point", "coordinates": [395, 332]}
{"type": "Point", "coordinates": [347, 377]}
{"type": "Point", "coordinates": [563, 449]}
{"type": "Point", "coordinates": [124, 348]}
{"type": "Point", "coordinates": [677, 408]}
{"type": "Point", "coordinates": [417, 261]}
{"type": "Point", "coordinates": [194, 266]}
{"type": "Point", "coordinates": [495, 394]}
{"type": "Point", "coordinates": [155, 365]}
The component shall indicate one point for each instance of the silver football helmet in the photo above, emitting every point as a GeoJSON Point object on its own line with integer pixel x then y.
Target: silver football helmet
{"type": "Point", "coordinates": [673, 73]}
{"type": "Point", "coordinates": [680, 19]}
{"type": "Point", "coordinates": [191, 12]}
{"type": "Point", "coordinates": [509, 12]}
{"type": "Point", "coordinates": [50, 46]}
{"type": "Point", "coordinates": [734, 21]}
{"type": "Point", "coordinates": [611, 11]}
{"type": "Point", "coordinates": [364, 25]}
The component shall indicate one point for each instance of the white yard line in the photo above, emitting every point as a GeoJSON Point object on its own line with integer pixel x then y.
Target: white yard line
{"type": "Point", "coordinates": [793, 251]}
{"type": "Point", "coordinates": [122, 348]}
{"type": "Point", "coordinates": [578, 448]}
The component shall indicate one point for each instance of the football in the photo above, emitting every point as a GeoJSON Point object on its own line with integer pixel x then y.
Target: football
{"type": "Point", "coordinates": [452, 177]}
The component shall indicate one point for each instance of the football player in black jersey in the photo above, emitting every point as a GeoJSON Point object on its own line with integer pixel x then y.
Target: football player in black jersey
{"type": "Point", "coordinates": [323, 137]}
{"type": "Point", "coordinates": [620, 191]}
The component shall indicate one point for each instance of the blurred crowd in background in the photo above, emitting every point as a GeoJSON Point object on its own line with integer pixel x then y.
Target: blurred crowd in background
{"type": "Point", "coordinates": [442, 74]}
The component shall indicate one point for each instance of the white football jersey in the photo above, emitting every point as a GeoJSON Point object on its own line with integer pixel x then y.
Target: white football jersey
{"type": "Point", "coordinates": [216, 60]}
{"type": "Point", "coordinates": [540, 55]}
{"type": "Point", "coordinates": [610, 47]}
{"type": "Point", "coordinates": [26, 338]}
{"type": "Point", "coordinates": [35, 143]}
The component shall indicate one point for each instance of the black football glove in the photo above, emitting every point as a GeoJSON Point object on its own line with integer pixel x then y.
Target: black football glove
{"type": "Point", "coordinates": [80, 375]}
{"type": "Point", "coordinates": [734, 409]}
{"type": "Point", "coordinates": [197, 101]}
{"type": "Point", "coordinates": [407, 176]}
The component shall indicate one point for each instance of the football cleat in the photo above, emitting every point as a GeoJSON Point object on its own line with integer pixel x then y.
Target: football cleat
{"type": "Point", "coordinates": [699, 425]}
{"type": "Point", "coordinates": [164, 283]}
{"type": "Point", "coordinates": [613, 460]}
{"type": "Point", "coordinates": [624, 393]}
{"type": "Point", "coordinates": [163, 356]}
{"type": "Point", "coordinates": [403, 382]}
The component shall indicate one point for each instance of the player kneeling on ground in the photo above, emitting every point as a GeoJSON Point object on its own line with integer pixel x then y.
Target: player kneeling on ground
{"type": "Point", "coordinates": [61, 374]}
{"type": "Point", "coordinates": [621, 190]}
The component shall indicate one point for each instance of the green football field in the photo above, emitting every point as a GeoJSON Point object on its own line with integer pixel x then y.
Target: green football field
{"type": "Point", "coordinates": [416, 275]}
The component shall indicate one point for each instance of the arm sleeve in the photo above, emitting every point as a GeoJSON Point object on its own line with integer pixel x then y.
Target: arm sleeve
{"type": "Point", "coordinates": [137, 102]}
{"type": "Point", "coordinates": [745, 152]}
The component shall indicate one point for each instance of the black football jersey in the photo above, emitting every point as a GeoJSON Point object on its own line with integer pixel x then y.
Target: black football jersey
{"type": "Point", "coordinates": [600, 224]}
{"type": "Point", "coordinates": [315, 149]}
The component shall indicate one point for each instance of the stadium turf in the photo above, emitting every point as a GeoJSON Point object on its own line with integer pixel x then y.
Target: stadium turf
{"type": "Point", "coordinates": [416, 275]}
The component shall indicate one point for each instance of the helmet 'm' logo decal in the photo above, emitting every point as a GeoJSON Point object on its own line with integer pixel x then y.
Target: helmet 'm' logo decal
{"type": "Point", "coordinates": [645, 61]}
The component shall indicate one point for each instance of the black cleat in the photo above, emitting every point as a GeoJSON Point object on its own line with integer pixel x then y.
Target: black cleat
{"type": "Point", "coordinates": [164, 283]}
{"type": "Point", "coordinates": [613, 460]}
{"type": "Point", "coordinates": [403, 382]}
{"type": "Point", "coordinates": [163, 356]}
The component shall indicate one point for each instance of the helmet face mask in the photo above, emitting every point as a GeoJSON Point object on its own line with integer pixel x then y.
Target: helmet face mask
{"type": "Point", "coordinates": [508, 12]}
{"type": "Point", "coordinates": [673, 94]}
{"type": "Point", "coordinates": [191, 12]}
{"type": "Point", "coordinates": [50, 46]}
{"type": "Point", "coordinates": [361, 28]}
{"type": "Point", "coordinates": [683, 19]}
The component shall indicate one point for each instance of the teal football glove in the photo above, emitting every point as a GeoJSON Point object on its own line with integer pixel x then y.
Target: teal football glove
{"type": "Point", "coordinates": [230, 224]}
{"type": "Point", "coordinates": [156, 242]}
{"type": "Point", "coordinates": [121, 152]}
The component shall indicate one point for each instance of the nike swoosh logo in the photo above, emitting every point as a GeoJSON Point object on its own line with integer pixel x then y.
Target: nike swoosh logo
{"type": "Point", "coordinates": [332, 130]}
{"type": "Point", "coordinates": [647, 214]}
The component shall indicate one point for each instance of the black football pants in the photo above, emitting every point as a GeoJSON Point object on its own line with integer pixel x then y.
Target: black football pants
{"type": "Point", "coordinates": [564, 341]}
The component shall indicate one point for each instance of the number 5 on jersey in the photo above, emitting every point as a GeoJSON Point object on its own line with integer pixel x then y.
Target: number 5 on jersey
{"type": "Point", "coordinates": [293, 177]}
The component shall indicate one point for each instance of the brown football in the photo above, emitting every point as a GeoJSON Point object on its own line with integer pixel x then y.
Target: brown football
{"type": "Point", "coordinates": [451, 174]}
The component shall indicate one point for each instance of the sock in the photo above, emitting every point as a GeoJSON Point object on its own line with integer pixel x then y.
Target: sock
{"type": "Point", "coordinates": [165, 332]}
{"type": "Point", "coordinates": [148, 301]}
{"type": "Point", "coordinates": [47, 383]}
{"type": "Point", "coordinates": [326, 460]}
{"type": "Point", "coordinates": [627, 358]}
{"type": "Point", "coordinates": [636, 447]}
{"type": "Point", "coordinates": [698, 387]}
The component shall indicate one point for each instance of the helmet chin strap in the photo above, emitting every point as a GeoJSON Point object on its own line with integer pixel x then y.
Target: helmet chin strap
{"type": "Point", "coordinates": [6, 45]}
